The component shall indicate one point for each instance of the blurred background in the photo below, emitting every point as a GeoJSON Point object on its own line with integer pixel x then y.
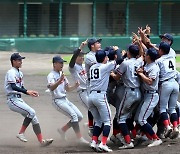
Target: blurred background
{"type": "Point", "coordinates": [59, 26]}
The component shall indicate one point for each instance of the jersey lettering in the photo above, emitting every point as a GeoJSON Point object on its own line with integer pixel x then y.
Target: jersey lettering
{"type": "Point", "coordinates": [95, 73]}
{"type": "Point", "coordinates": [171, 65]}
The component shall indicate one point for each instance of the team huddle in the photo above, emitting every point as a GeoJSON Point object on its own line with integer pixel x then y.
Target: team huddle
{"type": "Point", "coordinates": [141, 83]}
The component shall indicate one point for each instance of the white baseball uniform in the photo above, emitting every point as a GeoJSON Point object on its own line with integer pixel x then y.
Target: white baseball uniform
{"type": "Point", "coordinates": [59, 99]}
{"type": "Point", "coordinates": [14, 100]}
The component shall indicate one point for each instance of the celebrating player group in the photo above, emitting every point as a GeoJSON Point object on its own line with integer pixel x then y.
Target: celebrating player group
{"type": "Point", "coordinates": [141, 83]}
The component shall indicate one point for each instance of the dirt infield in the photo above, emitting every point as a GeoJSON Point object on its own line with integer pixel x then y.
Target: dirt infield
{"type": "Point", "coordinates": [35, 68]}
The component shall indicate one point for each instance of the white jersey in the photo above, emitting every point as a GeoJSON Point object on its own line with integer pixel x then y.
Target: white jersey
{"type": "Point", "coordinates": [60, 91]}
{"type": "Point", "coordinates": [152, 71]}
{"type": "Point", "coordinates": [79, 74]}
{"type": "Point", "coordinates": [172, 53]}
{"type": "Point", "coordinates": [99, 75]}
{"type": "Point", "coordinates": [89, 61]}
{"type": "Point", "coordinates": [167, 67]}
{"type": "Point", "coordinates": [127, 71]}
{"type": "Point", "coordinates": [13, 76]}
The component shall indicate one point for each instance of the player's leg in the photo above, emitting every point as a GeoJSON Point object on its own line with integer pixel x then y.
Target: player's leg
{"type": "Point", "coordinates": [97, 120]}
{"type": "Point", "coordinates": [19, 106]}
{"type": "Point", "coordinates": [164, 95]}
{"type": "Point", "coordinates": [150, 101]}
{"type": "Point", "coordinates": [130, 97]}
{"type": "Point", "coordinates": [172, 109]}
{"type": "Point", "coordinates": [84, 99]}
{"type": "Point", "coordinates": [105, 115]}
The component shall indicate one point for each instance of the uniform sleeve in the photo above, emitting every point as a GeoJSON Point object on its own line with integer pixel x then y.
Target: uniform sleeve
{"type": "Point", "coordinates": [110, 65]}
{"type": "Point", "coordinates": [66, 81]}
{"type": "Point", "coordinates": [11, 77]}
{"type": "Point", "coordinates": [50, 79]}
{"type": "Point", "coordinates": [89, 61]}
{"type": "Point", "coordinates": [122, 68]}
{"type": "Point", "coordinates": [153, 73]}
{"type": "Point", "coordinates": [72, 70]}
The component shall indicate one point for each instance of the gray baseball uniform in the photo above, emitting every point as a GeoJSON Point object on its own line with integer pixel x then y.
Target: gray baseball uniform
{"type": "Point", "coordinates": [98, 105]}
{"type": "Point", "coordinates": [14, 100]}
{"type": "Point", "coordinates": [79, 74]}
{"type": "Point", "coordinates": [131, 83]}
{"type": "Point", "coordinates": [151, 96]}
{"type": "Point", "coordinates": [60, 102]}
{"type": "Point", "coordinates": [169, 87]}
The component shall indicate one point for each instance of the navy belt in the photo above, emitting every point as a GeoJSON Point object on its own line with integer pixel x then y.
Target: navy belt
{"type": "Point", "coordinates": [15, 95]}
{"type": "Point", "coordinates": [98, 91]}
{"type": "Point", "coordinates": [150, 91]}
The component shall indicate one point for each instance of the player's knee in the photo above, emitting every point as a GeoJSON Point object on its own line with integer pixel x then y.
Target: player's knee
{"type": "Point", "coordinates": [80, 117]}
{"type": "Point", "coordinates": [142, 122]}
{"type": "Point", "coordinates": [32, 114]}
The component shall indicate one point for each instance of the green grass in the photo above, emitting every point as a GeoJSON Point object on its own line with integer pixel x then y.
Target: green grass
{"type": "Point", "coordinates": [177, 59]}
{"type": "Point", "coordinates": [67, 58]}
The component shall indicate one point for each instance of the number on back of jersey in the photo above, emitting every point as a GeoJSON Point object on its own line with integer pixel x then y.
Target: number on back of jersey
{"type": "Point", "coordinates": [171, 66]}
{"type": "Point", "coordinates": [95, 74]}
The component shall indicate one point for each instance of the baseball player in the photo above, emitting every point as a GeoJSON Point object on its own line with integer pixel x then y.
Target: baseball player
{"type": "Point", "coordinates": [93, 45]}
{"type": "Point", "coordinates": [169, 89]}
{"type": "Point", "coordinates": [132, 94]}
{"type": "Point", "coordinates": [58, 85]}
{"type": "Point", "coordinates": [98, 104]}
{"type": "Point", "coordinates": [150, 78]}
{"type": "Point", "coordinates": [14, 86]}
{"type": "Point", "coordinates": [77, 70]}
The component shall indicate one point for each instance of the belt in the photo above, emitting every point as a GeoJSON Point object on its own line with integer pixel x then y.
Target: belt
{"type": "Point", "coordinates": [132, 89]}
{"type": "Point", "coordinates": [82, 90]}
{"type": "Point", "coordinates": [15, 95]}
{"type": "Point", "coordinates": [150, 91]}
{"type": "Point", "coordinates": [98, 91]}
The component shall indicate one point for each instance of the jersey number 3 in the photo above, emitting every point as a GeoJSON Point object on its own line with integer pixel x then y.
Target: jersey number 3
{"type": "Point", "coordinates": [95, 73]}
{"type": "Point", "coordinates": [171, 65]}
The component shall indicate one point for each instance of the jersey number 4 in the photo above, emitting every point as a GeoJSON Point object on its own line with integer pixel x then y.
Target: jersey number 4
{"type": "Point", "coordinates": [95, 73]}
{"type": "Point", "coordinates": [171, 65]}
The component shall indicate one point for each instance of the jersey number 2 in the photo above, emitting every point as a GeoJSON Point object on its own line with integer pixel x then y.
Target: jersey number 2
{"type": "Point", "coordinates": [171, 65]}
{"type": "Point", "coordinates": [94, 73]}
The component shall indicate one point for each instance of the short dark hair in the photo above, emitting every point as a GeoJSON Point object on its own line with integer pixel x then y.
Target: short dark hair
{"type": "Point", "coordinates": [152, 53]}
{"type": "Point", "coordinates": [165, 47]}
{"type": "Point", "coordinates": [134, 50]}
{"type": "Point", "coordinates": [100, 55]}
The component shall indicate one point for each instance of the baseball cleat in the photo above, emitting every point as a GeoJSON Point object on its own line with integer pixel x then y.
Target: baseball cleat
{"type": "Point", "coordinates": [155, 143]}
{"type": "Point", "coordinates": [90, 131]}
{"type": "Point", "coordinates": [127, 146]}
{"type": "Point", "coordinates": [46, 142]}
{"type": "Point", "coordinates": [114, 139]}
{"type": "Point", "coordinates": [174, 134]}
{"type": "Point", "coordinates": [82, 140]}
{"type": "Point", "coordinates": [93, 145]}
{"type": "Point", "coordinates": [21, 137]}
{"type": "Point", "coordinates": [62, 134]}
{"type": "Point", "coordinates": [168, 131]}
{"type": "Point", "coordinates": [104, 148]}
{"type": "Point", "coordinates": [120, 138]}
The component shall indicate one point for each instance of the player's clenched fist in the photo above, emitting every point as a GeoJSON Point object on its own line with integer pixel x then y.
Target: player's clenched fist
{"type": "Point", "coordinates": [32, 93]}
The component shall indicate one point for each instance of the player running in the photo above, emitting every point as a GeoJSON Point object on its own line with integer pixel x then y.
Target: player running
{"type": "Point", "coordinates": [58, 85]}
{"type": "Point", "coordinates": [14, 86]}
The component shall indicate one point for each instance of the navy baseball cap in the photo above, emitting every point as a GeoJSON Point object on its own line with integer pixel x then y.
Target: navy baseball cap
{"type": "Point", "coordinates": [167, 36]}
{"type": "Point", "coordinates": [92, 41]}
{"type": "Point", "coordinates": [134, 50]}
{"type": "Point", "coordinates": [111, 52]}
{"type": "Point", "coordinates": [16, 56]}
{"type": "Point", "coordinates": [100, 55]}
{"type": "Point", "coordinates": [153, 53]}
{"type": "Point", "coordinates": [165, 47]}
{"type": "Point", "coordinates": [58, 59]}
